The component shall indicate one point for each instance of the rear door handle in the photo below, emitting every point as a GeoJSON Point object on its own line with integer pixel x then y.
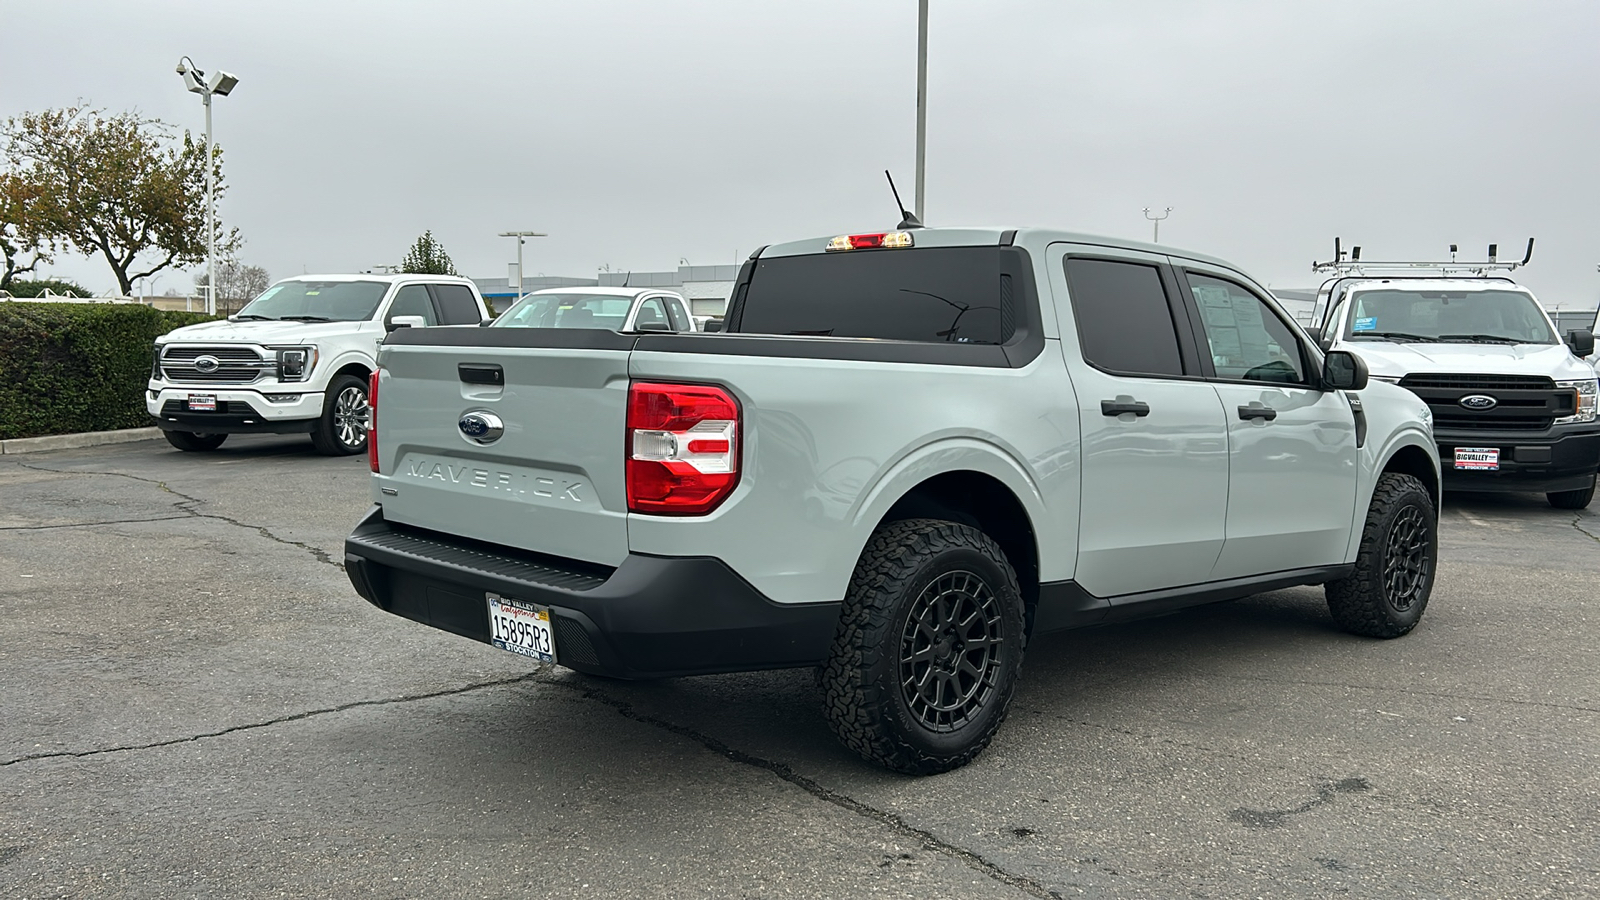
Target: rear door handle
{"type": "Point", "coordinates": [1119, 406]}
{"type": "Point", "coordinates": [1257, 411]}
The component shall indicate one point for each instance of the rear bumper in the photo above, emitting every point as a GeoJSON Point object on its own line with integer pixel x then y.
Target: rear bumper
{"type": "Point", "coordinates": [651, 617]}
{"type": "Point", "coordinates": [1541, 463]}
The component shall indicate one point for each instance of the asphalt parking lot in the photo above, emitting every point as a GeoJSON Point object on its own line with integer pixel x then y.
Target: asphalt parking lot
{"type": "Point", "coordinates": [193, 701]}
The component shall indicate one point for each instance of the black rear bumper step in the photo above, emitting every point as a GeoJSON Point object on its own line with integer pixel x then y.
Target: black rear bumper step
{"type": "Point", "coordinates": [651, 617]}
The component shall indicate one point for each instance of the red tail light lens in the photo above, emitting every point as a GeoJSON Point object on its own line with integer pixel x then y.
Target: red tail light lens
{"type": "Point", "coordinates": [683, 448]}
{"type": "Point", "coordinates": [372, 420]}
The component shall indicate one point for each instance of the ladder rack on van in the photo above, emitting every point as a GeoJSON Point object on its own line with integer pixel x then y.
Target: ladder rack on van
{"type": "Point", "coordinates": [1344, 264]}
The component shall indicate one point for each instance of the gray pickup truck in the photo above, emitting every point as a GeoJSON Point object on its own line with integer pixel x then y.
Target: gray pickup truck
{"type": "Point", "coordinates": [909, 452]}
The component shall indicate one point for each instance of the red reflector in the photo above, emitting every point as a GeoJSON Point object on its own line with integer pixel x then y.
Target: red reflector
{"type": "Point", "coordinates": [671, 470]}
{"type": "Point", "coordinates": [866, 241]}
{"type": "Point", "coordinates": [372, 420]}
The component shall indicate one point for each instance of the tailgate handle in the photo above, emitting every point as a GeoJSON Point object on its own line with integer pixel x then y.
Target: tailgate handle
{"type": "Point", "coordinates": [481, 373]}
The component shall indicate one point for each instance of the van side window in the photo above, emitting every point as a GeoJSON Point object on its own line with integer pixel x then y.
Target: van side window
{"type": "Point", "coordinates": [1124, 321]}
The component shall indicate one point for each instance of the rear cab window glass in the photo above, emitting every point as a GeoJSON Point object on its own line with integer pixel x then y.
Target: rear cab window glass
{"type": "Point", "coordinates": [939, 294]}
{"type": "Point", "coordinates": [457, 306]}
{"type": "Point", "coordinates": [1123, 317]}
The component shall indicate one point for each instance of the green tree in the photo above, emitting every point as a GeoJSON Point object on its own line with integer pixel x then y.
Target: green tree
{"type": "Point", "coordinates": [23, 245]}
{"type": "Point", "coordinates": [427, 257]}
{"type": "Point", "coordinates": [120, 187]}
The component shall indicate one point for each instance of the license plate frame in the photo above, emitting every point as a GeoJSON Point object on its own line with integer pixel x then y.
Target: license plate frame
{"type": "Point", "coordinates": [1477, 459]}
{"type": "Point", "coordinates": [201, 403]}
{"type": "Point", "coordinates": [521, 628]}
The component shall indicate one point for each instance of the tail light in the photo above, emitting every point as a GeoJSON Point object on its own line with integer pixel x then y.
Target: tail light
{"type": "Point", "coordinates": [372, 420]}
{"type": "Point", "coordinates": [683, 448]}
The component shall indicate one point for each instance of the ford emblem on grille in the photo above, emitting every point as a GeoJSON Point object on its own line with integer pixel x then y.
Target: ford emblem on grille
{"type": "Point", "coordinates": [481, 427]}
{"type": "Point", "coordinates": [205, 365]}
{"type": "Point", "coordinates": [1478, 402]}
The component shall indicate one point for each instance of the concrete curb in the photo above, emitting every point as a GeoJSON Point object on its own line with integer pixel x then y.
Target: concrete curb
{"type": "Point", "coordinates": [72, 441]}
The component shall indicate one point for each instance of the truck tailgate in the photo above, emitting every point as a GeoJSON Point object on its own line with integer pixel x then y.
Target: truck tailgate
{"type": "Point", "coordinates": [552, 483]}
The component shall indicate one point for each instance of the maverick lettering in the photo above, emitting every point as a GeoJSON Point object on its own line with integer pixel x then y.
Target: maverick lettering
{"type": "Point", "coordinates": [515, 483]}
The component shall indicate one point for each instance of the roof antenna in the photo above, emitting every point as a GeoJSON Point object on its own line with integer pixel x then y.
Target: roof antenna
{"type": "Point", "coordinates": [908, 219]}
{"type": "Point", "coordinates": [627, 278]}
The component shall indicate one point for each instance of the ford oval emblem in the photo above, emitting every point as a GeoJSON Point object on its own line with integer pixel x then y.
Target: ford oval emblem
{"type": "Point", "coordinates": [481, 427]}
{"type": "Point", "coordinates": [205, 365]}
{"type": "Point", "coordinates": [1478, 401]}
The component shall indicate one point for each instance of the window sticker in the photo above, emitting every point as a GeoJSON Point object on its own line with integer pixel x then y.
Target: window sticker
{"type": "Point", "coordinates": [1365, 323]}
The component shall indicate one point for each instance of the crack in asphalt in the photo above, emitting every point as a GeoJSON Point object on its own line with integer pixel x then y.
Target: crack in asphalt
{"type": "Point", "coordinates": [1577, 522]}
{"type": "Point", "coordinates": [183, 505]}
{"type": "Point", "coordinates": [929, 841]}
{"type": "Point", "coordinates": [92, 524]}
{"type": "Point", "coordinates": [253, 726]}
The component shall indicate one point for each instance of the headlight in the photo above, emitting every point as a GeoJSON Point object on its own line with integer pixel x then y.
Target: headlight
{"type": "Point", "coordinates": [155, 363]}
{"type": "Point", "coordinates": [1587, 394]}
{"type": "Point", "coordinates": [296, 363]}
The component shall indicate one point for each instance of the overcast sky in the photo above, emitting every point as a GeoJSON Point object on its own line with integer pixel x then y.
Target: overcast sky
{"type": "Point", "coordinates": [639, 133]}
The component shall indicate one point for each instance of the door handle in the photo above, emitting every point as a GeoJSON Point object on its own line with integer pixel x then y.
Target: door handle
{"type": "Point", "coordinates": [1257, 411]}
{"type": "Point", "coordinates": [1119, 406]}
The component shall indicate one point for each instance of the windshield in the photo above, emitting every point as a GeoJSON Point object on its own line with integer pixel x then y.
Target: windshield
{"type": "Point", "coordinates": [1488, 317]}
{"type": "Point", "coordinates": [317, 301]}
{"type": "Point", "coordinates": [566, 311]}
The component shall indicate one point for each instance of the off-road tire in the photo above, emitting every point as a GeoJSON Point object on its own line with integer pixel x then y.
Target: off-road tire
{"type": "Point", "coordinates": [1578, 499]}
{"type": "Point", "coordinates": [193, 442]}
{"type": "Point", "coordinates": [336, 427]}
{"type": "Point", "coordinates": [904, 565]}
{"type": "Point", "coordinates": [1395, 564]}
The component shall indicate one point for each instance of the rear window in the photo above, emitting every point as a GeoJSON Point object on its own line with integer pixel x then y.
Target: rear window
{"type": "Point", "coordinates": [941, 294]}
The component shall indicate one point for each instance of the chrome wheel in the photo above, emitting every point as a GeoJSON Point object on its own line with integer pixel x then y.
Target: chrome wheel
{"type": "Point", "coordinates": [950, 651]}
{"type": "Point", "coordinates": [351, 416]}
{"type": "Point", "coordinates": [1406, 559]}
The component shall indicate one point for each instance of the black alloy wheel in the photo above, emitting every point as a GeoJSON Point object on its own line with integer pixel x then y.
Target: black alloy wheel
{"type": "Point", "coordinates": [950, 651]}
{"type": "Point", "coordinates": [1388, 587]}
{"type": "Point", "coordinates": [1407, 560]}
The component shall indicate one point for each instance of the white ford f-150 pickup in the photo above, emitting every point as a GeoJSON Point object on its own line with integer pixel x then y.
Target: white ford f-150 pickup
{"type": "Point", "coordinates": [296, 359]}
{"type": "Point", "coordinates": [909, 452]}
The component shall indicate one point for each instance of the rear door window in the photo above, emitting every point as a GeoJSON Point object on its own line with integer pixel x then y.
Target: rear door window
{"type": "Point", "coordinates": [457, 306]}
{"type": "Point", "coordinates": [942, 294]}
{"type": "Point", "coordinates": [1123, 317]}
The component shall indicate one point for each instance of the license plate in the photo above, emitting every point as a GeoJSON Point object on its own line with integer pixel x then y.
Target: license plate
{"type": "Point", "coordinates": [1485, 459]}
{"type": "Point", "coordinates": [202, 403]}
{"type": "Point", "coordinates": [521, 628]}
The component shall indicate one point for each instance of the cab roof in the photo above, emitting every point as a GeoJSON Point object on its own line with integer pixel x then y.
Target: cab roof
{"type": "Point", "coordinates": [982, 236]}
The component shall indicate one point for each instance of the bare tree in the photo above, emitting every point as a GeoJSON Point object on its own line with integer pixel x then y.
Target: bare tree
{"type": "Point", "coordinates": [237, 284]}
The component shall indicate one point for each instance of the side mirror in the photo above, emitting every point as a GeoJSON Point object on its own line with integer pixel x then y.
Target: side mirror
{"type": "Point", "coordinates": [1581, 342]}
{"type": "Point", "coordinates": [659, 327]}
{"type": "Point", "coordinates": [1343, 371]}
{"type": "Point", "coordinates": [404, 322]}
{"type": "Point", "coordinates": [1315, 333]}
{"type": "Point", "coordinates": [713, 325]}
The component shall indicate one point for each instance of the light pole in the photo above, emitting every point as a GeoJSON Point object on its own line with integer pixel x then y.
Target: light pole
{"type": "Point", "coordinates": [922, 101]}
{"type": "Point", "coordinates": [522, 238]}
{"type": "Point", "coordinates": [1156, 238]}
{"type": "Point", "coordinates": [222, 83]}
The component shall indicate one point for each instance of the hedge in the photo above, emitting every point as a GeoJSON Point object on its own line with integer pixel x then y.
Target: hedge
{"type": "Point", "coordinates": [70, 367]}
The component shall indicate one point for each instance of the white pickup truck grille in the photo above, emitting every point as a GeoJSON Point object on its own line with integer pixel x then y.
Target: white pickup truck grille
{"type": "Point", "coordinates": [233, 365]}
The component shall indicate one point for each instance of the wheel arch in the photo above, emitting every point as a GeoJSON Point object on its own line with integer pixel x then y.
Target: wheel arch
{"type": "Point", "coordinates": [1410, 459]}
{"type": "Point", "coordinates": [971, 483]}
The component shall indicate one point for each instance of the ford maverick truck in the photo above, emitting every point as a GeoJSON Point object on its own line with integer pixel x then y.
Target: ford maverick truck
{"type": "Point", "coordinates": [907, 453]}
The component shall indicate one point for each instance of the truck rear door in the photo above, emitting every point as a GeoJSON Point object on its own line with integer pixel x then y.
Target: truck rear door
{"type": "Point", "coordinates": [507, 435]}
